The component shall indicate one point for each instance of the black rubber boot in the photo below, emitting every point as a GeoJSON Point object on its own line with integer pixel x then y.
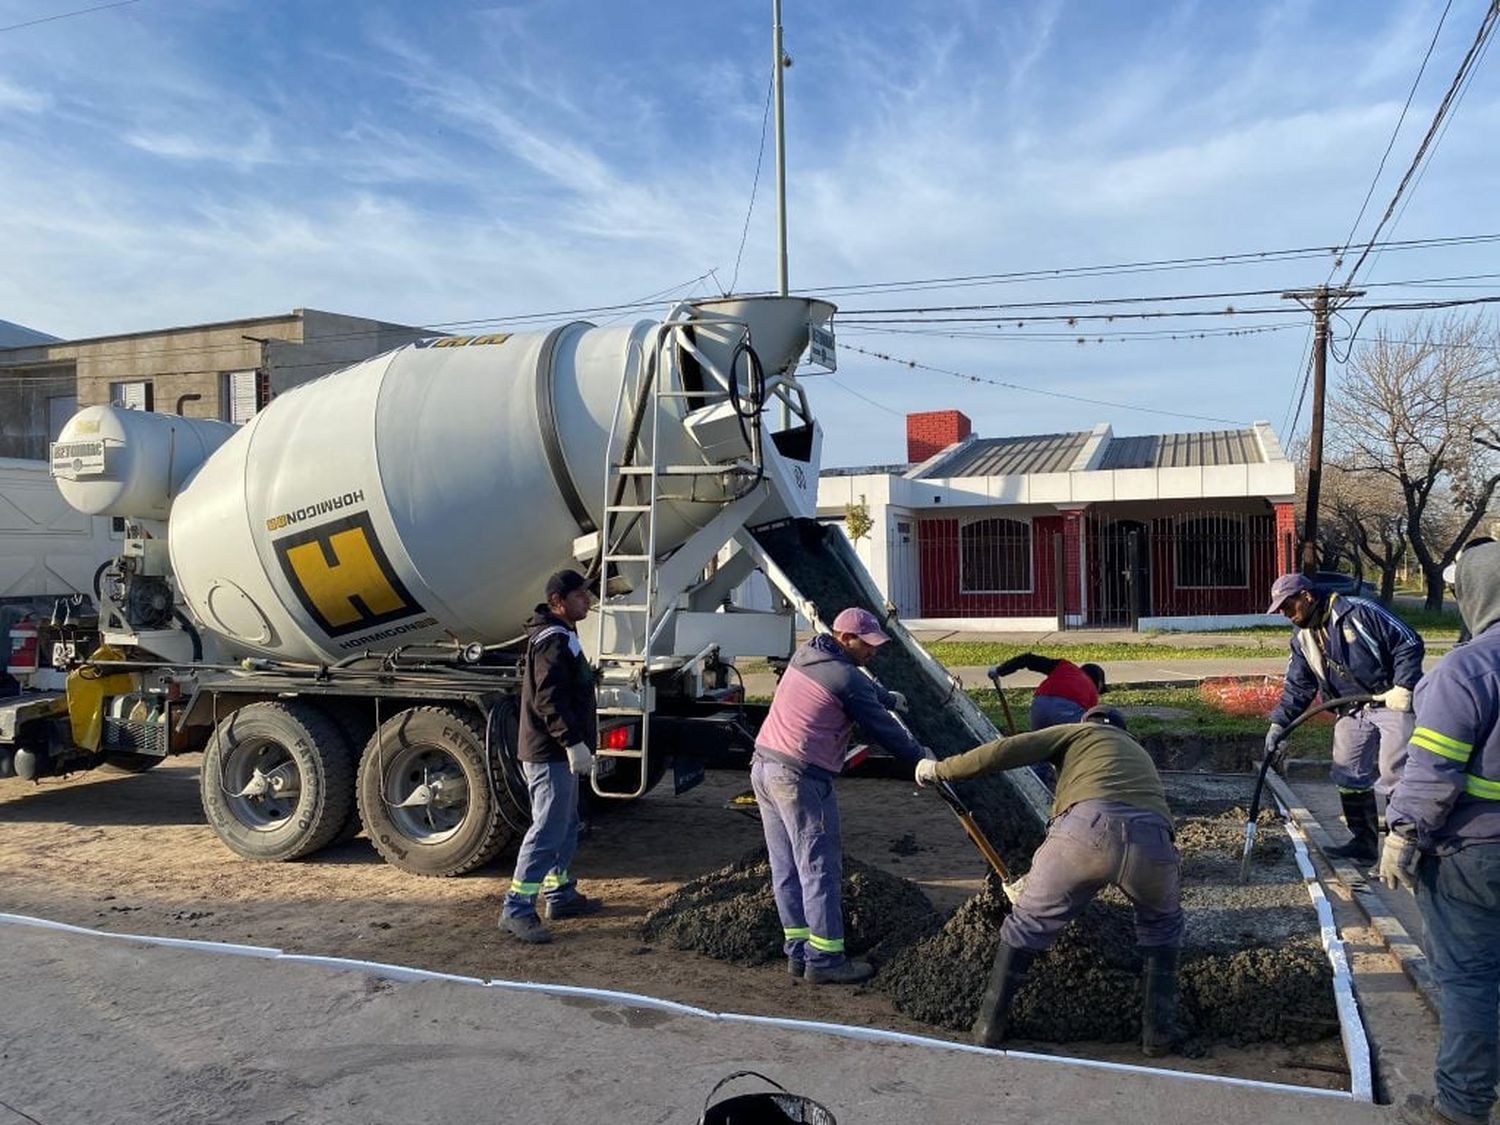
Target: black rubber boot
{"type": "Point", "coordinates": [1006, 978]}
{"type": "Point", "coordinates": [1362, 819]}
{"type": "Point", "coordinates": [1161, 1033]}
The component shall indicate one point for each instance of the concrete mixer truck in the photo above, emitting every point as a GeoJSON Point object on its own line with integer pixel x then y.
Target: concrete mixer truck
{"type": "Point", "coordinates": [327, 601]}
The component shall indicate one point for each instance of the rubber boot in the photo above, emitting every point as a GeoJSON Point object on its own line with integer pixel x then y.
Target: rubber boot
{"type": "Point", "coordinates": [1362, 819]}
{"type": "Point", "coordinates": [1006, 979]}
{"type": "Point", "coordinates": [1161, 1033]}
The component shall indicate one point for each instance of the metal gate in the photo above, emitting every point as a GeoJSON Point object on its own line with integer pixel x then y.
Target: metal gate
{"type": "Point", "coordinates": [1120, 577]}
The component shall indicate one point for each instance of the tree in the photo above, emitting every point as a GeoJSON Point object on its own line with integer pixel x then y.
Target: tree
{"type": "Point", "coordinates": [1370, 514]}
{"type": "Point", "coordinates": [1418, 409]}
{"type": "Point", "coordinates": [857, 520]}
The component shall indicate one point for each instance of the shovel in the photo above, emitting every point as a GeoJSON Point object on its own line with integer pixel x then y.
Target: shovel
{"type": "Point", "coordinates": [1260, 781]}
{"type": "Point", "coordinates": [1010, 722]}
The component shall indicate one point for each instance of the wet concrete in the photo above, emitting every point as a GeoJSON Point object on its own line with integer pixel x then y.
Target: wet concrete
{"type": "Point", "coordinates": [1253, 969]}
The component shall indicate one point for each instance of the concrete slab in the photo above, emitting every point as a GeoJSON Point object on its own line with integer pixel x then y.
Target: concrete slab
{"type": "Point", "coordinates": [97, 1029]}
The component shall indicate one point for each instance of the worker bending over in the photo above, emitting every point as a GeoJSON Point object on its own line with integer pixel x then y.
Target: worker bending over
{"type": "Point", "coordinates": [1444, 843]}
{"type": "Point", "coordinates": [1066, 692]}
{"type": "Point", "coordinates": [1350, 646]}
{"type": "Point", "coordinates": [798, 753]}
{"type": "Point", "coordinates": [1110, 826]}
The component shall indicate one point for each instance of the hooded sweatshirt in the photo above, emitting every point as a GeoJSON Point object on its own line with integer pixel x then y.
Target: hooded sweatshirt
{"type": "Point", "coordinates": [557, 691]}
{"type": "Point", "coordinates": [821, 696]}
{"type": "Point", "coordinates": [1449, 793]}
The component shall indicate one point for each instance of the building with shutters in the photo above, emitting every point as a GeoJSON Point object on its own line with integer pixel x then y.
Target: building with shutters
{"type": "Point", "coordinates": [225, 370]}
{"type": "Point", "coordinates": [1045, 531]}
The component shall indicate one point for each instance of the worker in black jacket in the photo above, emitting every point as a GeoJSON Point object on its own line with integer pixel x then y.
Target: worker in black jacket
{"type": "Point", "coordinates": [555, 747]}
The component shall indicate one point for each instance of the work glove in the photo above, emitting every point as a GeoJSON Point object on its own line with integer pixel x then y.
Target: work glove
{"type": "Point", "coordinates": [580, 759]}
{"type": "Point", "coordinates": [926, 772]}
{"type": "Point", "coordinates": [1398, 862]}
{"type": "Point", "coordinates": [898, 702]}
{"type": "Point", "coordinates": [1397, 698]}
{"type": "Point", "coordinates": [1275, 748]}
{"type": "Point", "coordinates": [1014, 889]}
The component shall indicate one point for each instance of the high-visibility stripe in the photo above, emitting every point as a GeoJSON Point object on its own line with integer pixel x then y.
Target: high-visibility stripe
{"type": "Point", "coordinates": [555, 879]}
{"type": "Point", "coordinates": [1480, 787]}
{"type": "Point", "coordinates": [519, 888]}
{"type": "Point", "coordinates": [797, 933]}
{"type": "Point", "coordinates": [1346, 789]}
{"type": "Point", "coordinates": [1440, 743]}
{"type": "Point", "coordinates": [836, 945]}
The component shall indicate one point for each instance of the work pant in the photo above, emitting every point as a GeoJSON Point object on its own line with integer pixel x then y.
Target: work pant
{"type": "Point", "coordinates": [549, 844]}
{"type": "Point", "coordinates": [1053, 711]}
{"type": "Point", "coordinates": [1369, 749]}
{"type": "Point", "coordinates": [1459, 897]}
{"type": "Point", "coordinates": [800, 817]}
{"type": "Point", "coordinates": [1090, 846]}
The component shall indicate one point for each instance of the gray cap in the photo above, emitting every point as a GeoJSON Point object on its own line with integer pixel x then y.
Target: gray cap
{"type": "Point", "coordinates": [1102, 714]}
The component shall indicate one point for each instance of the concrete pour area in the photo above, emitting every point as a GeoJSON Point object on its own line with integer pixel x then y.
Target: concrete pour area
{"type": "Point", "coordinates": [103, 1028]}
{"type": "Point", "coordinates": [1254, 969]}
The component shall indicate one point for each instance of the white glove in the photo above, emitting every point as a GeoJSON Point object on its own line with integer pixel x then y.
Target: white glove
{"type": "Point", "coordinates": [580, 759]}
{"type": "Point", "coordinates": [898, 702]}
{"type": "Point", "coordinates": [1397, 698]}
{"type": "Point", "coordinates": [926, 772]}
{"type": "Point", "coordinates": [1398, 862]}
{"type": "Point", "coordinates": [1273, 739]}
{"type": "Point", "coordinates": [1014, 889]}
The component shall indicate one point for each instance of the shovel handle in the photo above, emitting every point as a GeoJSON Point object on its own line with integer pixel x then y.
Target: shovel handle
{"type": "Point", "coordinates": [1010, 722]}
{"type": "Point", "coordinates": [972, 830]}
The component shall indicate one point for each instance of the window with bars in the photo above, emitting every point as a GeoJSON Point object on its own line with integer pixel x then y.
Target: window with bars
{"type": "Point", "coordinates": [1213, 553]}
{"type": "Point", "coordinates": [134, 395]}
{"type": "Point", "coordinates": [995, 556]}
{"type": "Point", "coordinates": [237, 391]}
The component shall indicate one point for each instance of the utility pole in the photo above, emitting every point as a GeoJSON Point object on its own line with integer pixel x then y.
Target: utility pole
{"type": "Point", "coordinates": [1325, 300]}
{"type": "Point", "coordinates": [778, 65]}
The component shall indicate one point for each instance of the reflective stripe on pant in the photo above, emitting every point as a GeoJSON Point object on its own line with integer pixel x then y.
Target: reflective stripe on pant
{"type": "Point", "coordinates": [1459, 896]}
{"type": "Point", "coordinates": [800, 817]}
{"type": "Point", "coordinates": [547, 850]}
{"type": "Point", "coordinates": [1369, 749]}
{"type": "Point", "coordinates": [1090, 846]}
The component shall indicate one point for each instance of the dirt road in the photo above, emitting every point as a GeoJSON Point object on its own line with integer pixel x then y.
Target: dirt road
{"type": "Point", "coordinates": [133, 854]}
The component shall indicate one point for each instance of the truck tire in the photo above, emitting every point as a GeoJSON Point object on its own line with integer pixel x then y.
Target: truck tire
{"type": "Point", "coordinates": [357, 721]}
{"type": "Point", "coordinates": [300, 762]}
{"type": "Point", "coordinates": [447, 831]}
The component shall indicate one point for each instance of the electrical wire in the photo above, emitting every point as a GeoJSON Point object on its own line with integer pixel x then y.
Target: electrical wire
{"type": "Point", "coordinates": [1486, 27]}
{"type": "Point", "coordinates": [69, 15]}
{"type": "Point", "coordinates": [916, 366]}
{"type": "Point", "coordinates": [755, 184]}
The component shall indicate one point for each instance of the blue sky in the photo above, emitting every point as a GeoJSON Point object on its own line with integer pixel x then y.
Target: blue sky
{"type": "Point", "coordinates": [178, 161]}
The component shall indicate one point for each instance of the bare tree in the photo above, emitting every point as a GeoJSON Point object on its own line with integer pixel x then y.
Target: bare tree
{"type": "Point", "coordinates": [1370, 512]}
{"type": "Point", "coordinates": [1419, 409]}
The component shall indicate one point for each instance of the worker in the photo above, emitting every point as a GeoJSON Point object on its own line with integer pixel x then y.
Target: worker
{"type": "Point", "coordinates": [1110, 826]}
{"type": "Point", "coordinates": [1067, 691]}
{"type": "Point", "coordinates": [1444, 844]}
{"type": "Point", "coordinates": [1464, 633]}
{"type": "Point", "coordinates": [1350, 646]}
{"type": "Point", "coordinates": [555, 748]}
{"type": "Point", "coordinates": [798, 753]}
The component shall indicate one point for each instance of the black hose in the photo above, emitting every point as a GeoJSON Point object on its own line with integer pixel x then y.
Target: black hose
{"type": "Point", "coordinates": [187, 627]}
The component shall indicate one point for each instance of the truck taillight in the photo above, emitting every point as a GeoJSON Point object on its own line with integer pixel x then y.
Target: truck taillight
{"type": "Point", "coordinates": [24, 649]}
{"type": "Point", "coordinates": [618, 738]}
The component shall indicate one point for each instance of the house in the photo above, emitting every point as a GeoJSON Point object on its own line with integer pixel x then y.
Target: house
{"type": "Point", "coordinates": [226, 370]}
{"type": "Point", "coordinates": [1042, 531]}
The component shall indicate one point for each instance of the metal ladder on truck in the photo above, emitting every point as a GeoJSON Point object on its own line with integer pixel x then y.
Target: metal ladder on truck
{"type": "Point", "coordinates": [632, 493]}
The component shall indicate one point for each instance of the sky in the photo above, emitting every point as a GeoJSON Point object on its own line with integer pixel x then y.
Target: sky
{"type": "Point", "coordinates": [167, 162]}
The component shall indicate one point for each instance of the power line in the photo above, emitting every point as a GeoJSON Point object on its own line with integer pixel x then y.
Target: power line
{"type": "Point", "coordinates": [759, 157]}
{"type": "Point", "coordinates": [69, 15]}
{"type": "Point", "coordinates": [1396, 132]}
{"type": "Point", "coordinates": [1486, 26]}
{"type": "Point", "coordinates": [916, 366]}
{"type": "Point", "coordinates": [841, 385]}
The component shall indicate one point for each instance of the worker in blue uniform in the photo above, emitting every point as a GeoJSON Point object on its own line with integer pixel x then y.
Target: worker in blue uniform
{"type": "Point", "coordinates": [1444, 844]}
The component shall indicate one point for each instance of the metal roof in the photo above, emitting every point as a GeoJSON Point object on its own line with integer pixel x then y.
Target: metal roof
{"type": "Point", "coordinates": [1170, 451]}
{"type": "Point", "coordinates": [1007, 456]}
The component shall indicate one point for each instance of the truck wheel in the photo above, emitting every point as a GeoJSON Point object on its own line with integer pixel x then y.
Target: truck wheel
{"type": "Point", "coordinates": [425, 793]}
{"type": "Point", "coordinates": [128, 762]}
{"type": "Point", "coordinates": [277, 780]}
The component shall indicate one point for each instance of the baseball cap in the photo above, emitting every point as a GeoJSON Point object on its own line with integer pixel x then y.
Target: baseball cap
{"type": "Point", "coordinates": [1285, 586]}
{"type": "Point", "coordinates": [862, 623]}
{"type": "Point", "coordinates": [1102, 714]}
{"type": "Point", "coordinates": [564, 582]}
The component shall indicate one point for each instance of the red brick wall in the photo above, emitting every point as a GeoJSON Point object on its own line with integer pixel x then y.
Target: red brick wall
{"type": "Point", "coordinates": [1286, 538]}
{"type": "Point", "coordinates": [933, 431]}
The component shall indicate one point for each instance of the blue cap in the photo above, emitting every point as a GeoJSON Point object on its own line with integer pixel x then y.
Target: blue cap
{"type": "Point", "coordinates": [1285, 586]}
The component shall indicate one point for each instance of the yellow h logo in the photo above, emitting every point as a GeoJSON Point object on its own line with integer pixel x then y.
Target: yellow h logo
{"type": "Point", "coordinates": [342, 576]}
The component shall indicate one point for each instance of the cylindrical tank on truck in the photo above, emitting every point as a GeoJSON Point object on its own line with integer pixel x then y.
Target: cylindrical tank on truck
{"type": "Point", "coordinates": [344, 572]}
